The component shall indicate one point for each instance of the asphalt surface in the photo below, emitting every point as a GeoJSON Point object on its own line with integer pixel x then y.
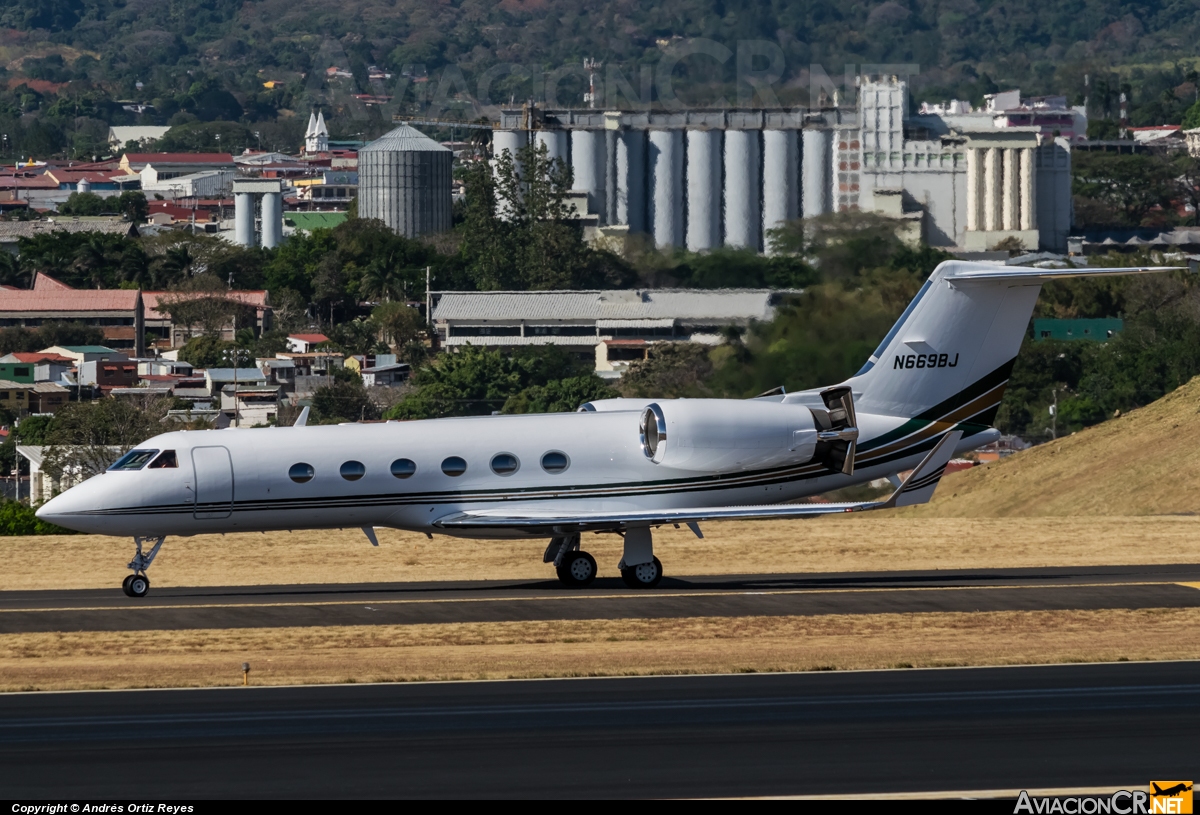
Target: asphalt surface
{"type": "Point", "coordinates": [1114, 587]}
{"type": "Point", "coordinates": [1115, 726]}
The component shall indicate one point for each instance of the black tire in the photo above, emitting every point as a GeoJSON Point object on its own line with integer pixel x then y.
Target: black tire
{"type": "Point", "coordinates": [139, 585]}
{"type": "Point", "coordinates": [641, 577]}
{"type": "Point", "coordinates": [578, 570]}
{"type": "Point", "coordinates": [125, 585]}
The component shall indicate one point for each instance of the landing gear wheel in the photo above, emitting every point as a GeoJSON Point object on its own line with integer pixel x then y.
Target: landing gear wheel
{"type": "Point", "coordinates": [125, 585]}
{"type": "Point", "coordinates": [139, 584]}
{"type": "Point", "coordinates": [578, 569]}
{"type": "Point", "coordinates": [644, 575]}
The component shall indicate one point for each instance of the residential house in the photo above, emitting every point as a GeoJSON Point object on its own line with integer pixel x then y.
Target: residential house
{"type": "Point", "coordinates": [17, 372]}
{"type": "Point", "coordinates": [359, 362]}
{"type": "Point", "coordinates": [303, 343]}
{"type": "Point", "coordinates": [108, 374]}
{"type": "Point", "coordinates": [80, 354]}
{"type": "Point", "coordinates": [389, 375]}
{"type": "Point", "coordinates": [215, 379]}
{"type": "Point", "coordinates": [15, 396]}
{"type": "Point", "coordinates": [250, 406]}
{"type": "Point", "coordinates": [48, 397]}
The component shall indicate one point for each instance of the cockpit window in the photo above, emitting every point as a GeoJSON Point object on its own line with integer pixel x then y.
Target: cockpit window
{"type": "Point", "coordinates": [133, 460]}
{"type": "Point", "coordinates": [165, 459]}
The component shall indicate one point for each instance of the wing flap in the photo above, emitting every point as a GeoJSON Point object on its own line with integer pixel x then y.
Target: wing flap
{"type": "Point", "coordinates": [916, 489]}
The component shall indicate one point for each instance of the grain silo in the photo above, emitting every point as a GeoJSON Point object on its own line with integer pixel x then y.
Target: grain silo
{"type": "Point", "coordinates": [404, 180]}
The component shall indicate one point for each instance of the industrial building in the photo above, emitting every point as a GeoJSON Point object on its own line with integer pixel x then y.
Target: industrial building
{"type": "Point", "coordinates": [585, 318]}
{"type": "Point", "coordinates": [702, 179]}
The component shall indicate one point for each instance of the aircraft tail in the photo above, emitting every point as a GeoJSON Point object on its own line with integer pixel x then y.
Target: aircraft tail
{"type": "Point", "coordinates": [947, 359]}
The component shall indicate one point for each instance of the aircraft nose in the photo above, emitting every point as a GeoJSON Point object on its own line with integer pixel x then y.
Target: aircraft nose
{"type": "Point", "coordinates": [62, 510]}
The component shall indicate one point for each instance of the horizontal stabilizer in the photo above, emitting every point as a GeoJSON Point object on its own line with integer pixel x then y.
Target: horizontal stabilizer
{"type": "Point", "coordinates": [923, 480]}
{"type": "Point", "coordinates": [916, 489]}
{"type": "Point", "coordinates": [1026, 274]}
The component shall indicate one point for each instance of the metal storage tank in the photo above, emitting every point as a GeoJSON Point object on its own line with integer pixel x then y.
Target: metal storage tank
{"type": "Point", "coordinates": [817, 164]}
{"type": "Point", "coordinates": [743, 218]}
{"type": "Point", "coordinates": [631, 179]}
{"type": "Point", "coordinates": [781, 179]}
{"type": "Point", "coordinates": [703, 190]}
{"type": "Point", "coordinates": [588, 161]}
{"type": "Point", "coordinates": [666, 187]}
{"type": "Point", "coordinates": [404, 180]}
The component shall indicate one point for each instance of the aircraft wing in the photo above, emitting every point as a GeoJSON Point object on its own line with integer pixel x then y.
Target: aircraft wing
{"type": "Point", "coordinates": [917, 489]}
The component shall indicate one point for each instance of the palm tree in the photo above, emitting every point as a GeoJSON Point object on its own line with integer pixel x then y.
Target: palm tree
{"type": "Point", "coordinates": [383, 279]}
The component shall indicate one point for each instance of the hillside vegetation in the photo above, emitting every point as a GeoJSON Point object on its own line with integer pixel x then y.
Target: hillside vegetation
{"type": "Point", "coordinates": [1144, 462]}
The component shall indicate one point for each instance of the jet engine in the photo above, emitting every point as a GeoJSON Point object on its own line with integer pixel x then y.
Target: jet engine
{"type": "Point", "coordinates": [727, 434]}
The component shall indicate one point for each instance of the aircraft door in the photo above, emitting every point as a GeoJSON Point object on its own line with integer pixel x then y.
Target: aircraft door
{"type": "Point", "coordinates": [214, 482]}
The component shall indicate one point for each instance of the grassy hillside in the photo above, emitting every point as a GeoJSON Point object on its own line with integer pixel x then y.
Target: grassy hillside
{"type": "Point", "coordinates": [1145, 462]}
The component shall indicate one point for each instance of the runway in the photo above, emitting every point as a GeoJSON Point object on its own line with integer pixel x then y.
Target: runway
{"type": "Point", "coordinates": [1107, 587]}
{"type": "Point", "coordinates": [1114, 726]}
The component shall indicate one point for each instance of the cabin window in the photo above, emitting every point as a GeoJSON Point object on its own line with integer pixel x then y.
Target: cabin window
{"type": "Point", "coordinates": [403, 468]}
{"type": "Point", "coordinates": [166, 460]}
{"type": "Point", "coordinates": [454, 466]}
{"type": "Point", "coordinates": [555, 462]}
{"type": "Point", "coordinates": [301, 473]}
{"type": "Point", "coordinates": [353, 470]}
{"type": "Point", "coordinates": [505, 464]}
{"type": "Point", "coordinates": [133, 460]}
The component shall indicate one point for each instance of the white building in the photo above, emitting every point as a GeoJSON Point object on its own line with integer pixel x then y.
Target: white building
{"type": "Point", "coordinates": [207, 184]}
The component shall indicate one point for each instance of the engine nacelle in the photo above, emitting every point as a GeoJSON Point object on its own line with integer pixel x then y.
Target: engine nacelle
{"type": "Point", "coordinates": [727, 434]}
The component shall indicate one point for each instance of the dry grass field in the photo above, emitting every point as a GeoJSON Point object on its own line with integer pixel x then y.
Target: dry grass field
{"type": "Point", "coordinates": [589, 648]}
{"type": "Point", "coordinates": [1145, 462]}
{"type": "Point", "coordinates": [880, 541]}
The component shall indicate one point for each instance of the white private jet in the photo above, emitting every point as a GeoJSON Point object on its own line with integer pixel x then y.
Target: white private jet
{"type": "Point", "coordinates": [620, 466]}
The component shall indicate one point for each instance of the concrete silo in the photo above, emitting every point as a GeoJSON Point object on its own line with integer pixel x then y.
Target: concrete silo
{"type": "Point", "coordinates": [557, 144]}
{"type": "Point", "coordinates": [631, 179]}
{"type": "Point", "coordinates": [817, 165]}
{"type": "Point", "coordinates": [743, 218]}
{"type": "Point", "coordinates": [589, 163]}
{"type": "Point", "coordinates": [781, 179]}
{"type": "Point", "coordinates": [666, 187]}
{"type": "Point", "coordinates": [703, 190]}
{"type": "Point", "coordinates": [404, 180]}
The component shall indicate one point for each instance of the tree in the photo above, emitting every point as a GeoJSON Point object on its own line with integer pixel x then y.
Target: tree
{"type": "Point", "coordinates": [674, 369]}
{"type": "Point", "coordinates": [133, 205]}
{"type": "Point", "coordinates": [64, 333]}
{"type": "Point", "coordinates": [520, 233]}
{"type": "Point", "coordinates": [206, 351]}
{"type": "Point", "coordinates": [1132, 185]}
{"type": "Point", "coordinates": [400, 323]}
{"type": "Point", "coordinates": [345, 400]}
{"type": "Point", "coordinates": [86, 437]}
{"type": "Point", "coordinates": [476, 381]}
{"type": "Point", "coordinates": [842, 245]}
{"type": "Point", "coordinates": [84, 203]}
{"type": "Point", "coordinates": [559, 395]}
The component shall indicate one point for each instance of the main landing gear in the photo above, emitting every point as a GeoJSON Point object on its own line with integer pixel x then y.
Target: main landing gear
{"type": "Point", "coordinates": [576, 569]}
{"type": "Point", "coordinates": [137, 584]}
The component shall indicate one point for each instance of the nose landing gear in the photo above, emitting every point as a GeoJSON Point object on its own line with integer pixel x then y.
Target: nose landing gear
{"type": "Point", "coordinates": [137, 584]}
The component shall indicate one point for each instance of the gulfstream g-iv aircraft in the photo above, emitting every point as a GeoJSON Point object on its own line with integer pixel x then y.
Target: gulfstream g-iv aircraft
{"type": "Point", "coordinates": [618, 466]}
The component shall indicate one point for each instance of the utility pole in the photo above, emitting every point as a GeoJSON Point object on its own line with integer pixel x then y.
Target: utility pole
{"type": "Point", "coordinates": [428, 300]}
